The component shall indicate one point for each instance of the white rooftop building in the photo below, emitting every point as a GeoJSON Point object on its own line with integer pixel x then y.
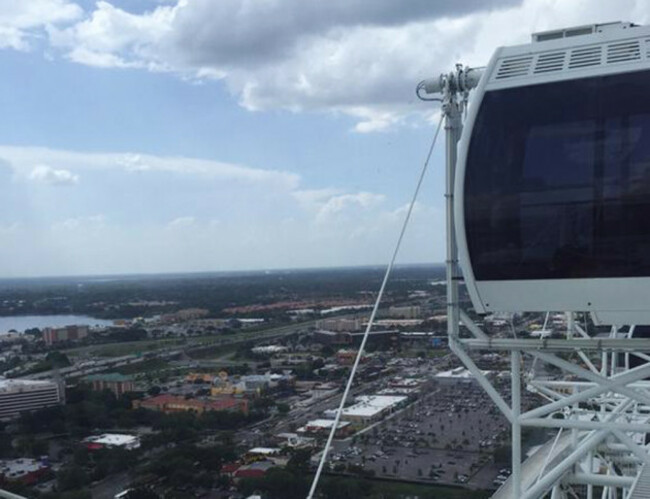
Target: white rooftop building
{"type": "Point", "coordinates": [108, 440]}
{"type": "Point", "coordinates": [456, 375]}
{"type": "Point", "coordinates": [370, 408]}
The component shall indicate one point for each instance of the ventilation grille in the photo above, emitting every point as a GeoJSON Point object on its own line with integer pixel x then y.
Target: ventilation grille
{"type": "Point", "coordinates": [574, 59]}
{"type": "Point", "coordinates": [623, 52]}
{"type": "Point", "coordinates": [585, 57]}
{"type": "Point", "coordinates": [513, 67]}
{"type": "Point", "coordinates": [549, 62]}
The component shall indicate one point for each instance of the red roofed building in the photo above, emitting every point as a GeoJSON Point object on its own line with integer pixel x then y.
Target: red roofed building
{"type": "Point", "coordinates": [253, 470]}
{"type": "Point", "coordinates": [171, 403]}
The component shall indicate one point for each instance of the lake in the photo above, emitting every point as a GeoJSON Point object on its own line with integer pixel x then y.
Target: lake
{"type": "Point", "coordinates": [22, 322]}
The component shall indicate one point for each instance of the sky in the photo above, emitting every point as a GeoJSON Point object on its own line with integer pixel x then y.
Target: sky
{"type": "Point", "coordinates": [142, 136]}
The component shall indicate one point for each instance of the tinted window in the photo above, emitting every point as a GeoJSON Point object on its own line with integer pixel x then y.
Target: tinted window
{"type": "Point", "coordinates": [558, 180]}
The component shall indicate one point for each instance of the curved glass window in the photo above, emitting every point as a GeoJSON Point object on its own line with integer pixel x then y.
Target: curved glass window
{"type": "Point", "coordinates": [557, 182]}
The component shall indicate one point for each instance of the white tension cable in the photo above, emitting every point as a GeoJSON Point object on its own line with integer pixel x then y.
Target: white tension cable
{"type": "Point", "coordinates": [357, 360]}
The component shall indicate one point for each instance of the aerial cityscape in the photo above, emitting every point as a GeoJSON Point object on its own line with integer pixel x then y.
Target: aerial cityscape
{"type": "Point", "coordinates": [211, 394]}
{"type": "Point", "coordinates": [287, 249]}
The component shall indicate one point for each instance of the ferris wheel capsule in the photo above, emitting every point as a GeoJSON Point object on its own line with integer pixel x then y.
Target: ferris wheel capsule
{"type": "Point", "coordinates": [552, 186]}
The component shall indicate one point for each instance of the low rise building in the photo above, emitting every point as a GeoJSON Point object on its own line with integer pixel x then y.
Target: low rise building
{"type": "Point", "coordinates": [407, 312]}
{"type": "Point", "coordinates": [253, 470]}
{"type": "Point", "coordinates": [347, 357]}
{"type": "Point", "coordinates": [112, 441]}
{"type": "Point", "coordinates": [340, 325]}
{"type": "Point", "coordinates": [294, 441]}
{"type": "Point", "coordinates": [24, 470]}
{"type": "Point", "coordinates": [22, 395]}
{"type": "Point", "coordinates": [117, 383]}
{"type": "Point", "coordinates": [332, 337]}
{"type": "Point", "coordinates": [322, 427]}
{"type": "Point", "coordinates": [273, 454]}
{"type": "Point", "coordinates": [269, 349]}
{"type": "Point", "coordinates": [371, 408]}
{"type": "Point", "coordinates": [171, 403]}
{"type": "Point", "coordinates": [457, 375]}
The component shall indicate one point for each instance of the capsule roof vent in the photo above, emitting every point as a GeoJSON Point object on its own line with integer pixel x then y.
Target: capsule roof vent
{"type": "Point", "coordinates": [514, 66]}
{"type": "Point", "coordinates": [586, 56]}
{"type": "Point", "coordinates": [549, 62]}
{"type": "Point", "coordinates": [628, 50]}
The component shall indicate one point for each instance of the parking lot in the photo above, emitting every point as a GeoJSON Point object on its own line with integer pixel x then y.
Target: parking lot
{"type": "Point", "coordinates": [448, 436]}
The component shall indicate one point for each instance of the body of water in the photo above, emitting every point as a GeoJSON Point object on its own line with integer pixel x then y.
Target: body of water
{"type": "Point", "coordinates": [22, 322]}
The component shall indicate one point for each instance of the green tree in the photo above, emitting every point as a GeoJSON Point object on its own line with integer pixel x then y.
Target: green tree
{"type": "Point", "coordinates": [71, 478]}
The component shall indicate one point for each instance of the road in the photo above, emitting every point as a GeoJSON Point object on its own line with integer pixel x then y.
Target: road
{"type": "Point", "coordinates": [107, 488]}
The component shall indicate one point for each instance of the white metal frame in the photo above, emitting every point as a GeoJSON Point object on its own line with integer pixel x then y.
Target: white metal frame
{"type": "Point", "coordinates": [601, 411]}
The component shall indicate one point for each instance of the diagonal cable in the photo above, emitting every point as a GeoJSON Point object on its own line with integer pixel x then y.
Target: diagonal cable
{"type": "Point", "coordinates": [357, 360]}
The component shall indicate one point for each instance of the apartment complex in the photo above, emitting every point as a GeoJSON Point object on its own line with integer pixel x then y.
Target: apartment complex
{"type": "Point", "coordinates": [53, 335]}
{"type": "Point", "coordinates": [119, 384]}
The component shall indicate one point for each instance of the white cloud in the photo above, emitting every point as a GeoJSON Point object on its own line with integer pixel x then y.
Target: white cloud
{"type": "Point", "coordinates": [54, 164]}
{"type": "Point", "coordinates": [131, 217]}
{"type": "Point", "coordinates": [337, 205]}
{"type": "Point", "coordinates": [83, 223]}
{"type": "Point", "coordinates": [47, 175]}
{"type": "Point", "coordinates": [313, 199]}
{"type": "Point", "coordinates": [329, 205]}
{"type": "Point", "coordinates": [20, 21]}
{"type": "Point", "coordinates": [181, 222]}
{"type": "Point", "coordinates": [309, 55]}
{"type": "Point", "coordinates": [302, 55]}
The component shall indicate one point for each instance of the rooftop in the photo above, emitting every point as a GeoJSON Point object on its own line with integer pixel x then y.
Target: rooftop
{"type": "Point", "coordinates": [326, 423]}
{"type": "Point", "coordinates": [114, 440]}
{"type": "Point", "coordinates": [11, 385]}
{"type": "Point", "coordinates": [369, 405]}
{"type": "Point", "coordinates": [16, 468]}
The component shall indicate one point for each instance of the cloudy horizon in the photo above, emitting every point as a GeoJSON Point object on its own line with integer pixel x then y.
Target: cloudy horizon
{"type": "Point", "coordinates": [146, 136]}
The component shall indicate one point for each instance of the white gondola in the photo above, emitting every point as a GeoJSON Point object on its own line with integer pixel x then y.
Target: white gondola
{"type": "Point", "coordinates": [552, 190]}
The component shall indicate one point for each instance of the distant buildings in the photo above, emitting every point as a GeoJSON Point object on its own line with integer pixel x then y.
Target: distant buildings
{"type": "Point", "coordinates": [332, 337]}
{"type": "Point", "coordinates": [171, 403]}
{"type": "Point", "coordinates": [322, 427]}
{"type": "Point", "coordinates": [199, 378]}
{"type": "Point", "coordinates": [294, 441]}
{"type": "Point", "coordinates": [25, 471]}
{"type": "Point", "coordinates": [19, 395]}
{"type": "Point", "coordinates": [112, 441]}
{"type": "Point", "coordinates": [251, 385]}
{"type": "Point", "coordinates": [269, 349]}
{"type": "Point", "coordinates": [119, 384]}
{"type": "Point", "coordinates": [458, 375]}
{"type": "Point", "coordinates": [339, 325]}
{"type": "Point", "coordinates": [371, 408]}
{"type": "Point", "coordinates": [408, 312]}
{"type": "Point", "coordinates": [256, 469]}
{"type": "Point", "coordinates": [68, 333]}
{"type": "Point", "coordinates": [347, 357]}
